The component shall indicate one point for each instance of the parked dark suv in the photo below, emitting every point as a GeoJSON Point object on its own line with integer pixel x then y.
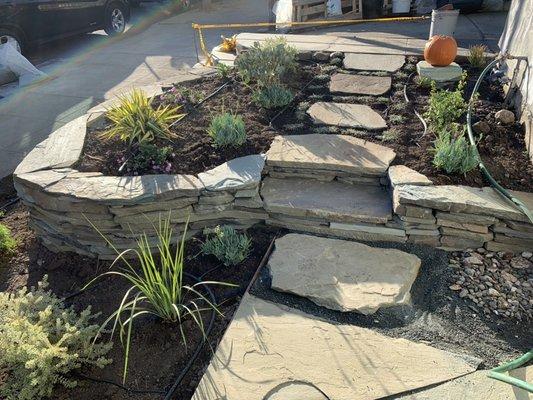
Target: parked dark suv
{"type": "Point", "coordinates": [29, 22]}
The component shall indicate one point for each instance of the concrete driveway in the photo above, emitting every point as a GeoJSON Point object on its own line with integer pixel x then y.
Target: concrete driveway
{"type": "Point", "coordinates": [100, 68]}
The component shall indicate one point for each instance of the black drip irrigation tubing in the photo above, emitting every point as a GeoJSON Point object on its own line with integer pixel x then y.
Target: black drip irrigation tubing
{"type": "Point", "coordinates": [10, 203]}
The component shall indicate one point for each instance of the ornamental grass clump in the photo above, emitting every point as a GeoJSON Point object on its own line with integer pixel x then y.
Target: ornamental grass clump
{"type": "Point", "coordinates": [158, 287]}
{"type": "Point", "coordinates": [227, 130]}
{"type": "Point", "coordinates": [453, 153]}
{"type": "Point", "coordinates": [134, 120]}
{"type": "Point", "coordinates": [7, 242]}
{"type": "Point", "coordinates": [42, 341]}
{"type": "Point", "coordinates": [273, 96]}
{"type": "Point", "coordinates": [227, 245]}
{"type": "Point", "coordinates": [476, 56]}
{"type": "Point", "coordinates": [445, 106]}
{"type": "Point", "coordinates": [270, 62]}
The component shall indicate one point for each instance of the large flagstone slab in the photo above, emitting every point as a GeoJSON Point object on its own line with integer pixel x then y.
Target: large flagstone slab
{"type": "Point", "coordinates": [330, 152]}
{"type": "Point", "coordinates": [268, 345]}
{"type": "Point", "coordinates": [342, 275]}
{"type": "Point", "coordinates": [333, 201]}
{"type": "Point", "coordinates": [477, 386]}
{"type": "Point", "coordinates": [360, 84]}
{"type": "Point", "coordinates": [374, 62]}
{"type": "Point", "coordinates": [346, 115]}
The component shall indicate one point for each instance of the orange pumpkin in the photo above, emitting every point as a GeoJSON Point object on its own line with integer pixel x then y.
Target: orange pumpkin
{"type": "Point", "coordinates": [440, 51]}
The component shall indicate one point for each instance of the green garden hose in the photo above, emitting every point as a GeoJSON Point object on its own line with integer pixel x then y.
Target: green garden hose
{"type": "Point", "coordinates": [487, 174]}
{"type": "Point", "coordinates": [499, 372]}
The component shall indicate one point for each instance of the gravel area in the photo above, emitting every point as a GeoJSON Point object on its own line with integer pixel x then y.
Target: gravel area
{"type": "Point", "coordinates": [497, 283]}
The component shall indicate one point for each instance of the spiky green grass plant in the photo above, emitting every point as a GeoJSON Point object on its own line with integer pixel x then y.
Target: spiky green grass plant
{"type": "Point", "coordinates": [272, 96]}
{"type": "Point", "coordinates": [227, 130]}
{"type": "Point", "coordinates": [7, 242]}
{"type": "Point", "coordinates": [476, 56]}
{"type": "Point", "coordinates": [453, 153]}
{"type": "Point", "coordinates": [135, 121]}
{"type": "Point", "coordinates": [157, 288]}
{"type": "Point", "coordinates": [227, 245]}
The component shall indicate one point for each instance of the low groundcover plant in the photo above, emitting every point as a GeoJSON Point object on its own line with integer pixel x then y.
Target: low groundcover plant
{"type": "Point", "coordinates": [42, 341]}
{"type": "Point", "coordinates": [227, 130]}
{"type": "Point", "coordinates": [227, 245]}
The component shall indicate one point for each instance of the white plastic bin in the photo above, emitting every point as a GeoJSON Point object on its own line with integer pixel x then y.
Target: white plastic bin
{"type": "Point", "coordinates": [443, 22]}
{"type": "Point", "coordinates": [401, 6]}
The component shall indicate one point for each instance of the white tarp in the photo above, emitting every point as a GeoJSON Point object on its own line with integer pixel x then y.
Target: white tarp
{"type": "Point", "coordinates": [19, 65]}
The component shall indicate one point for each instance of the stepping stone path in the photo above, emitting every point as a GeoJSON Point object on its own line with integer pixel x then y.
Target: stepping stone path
{"type": "Point", "coordinates": [269, 345]}
{"type": "Point", "coordinates": [342, 275]}
{"type": "Point", "coordinates": [373, 62]}
{"type": "Point", "coordinates": [346, 115]}
{"type": "Point", "coordinates": [330, 152]}
{"type": "Point", "coordinates": [360, 84]}
{"type": "Point", "coordinates": [334, 201]}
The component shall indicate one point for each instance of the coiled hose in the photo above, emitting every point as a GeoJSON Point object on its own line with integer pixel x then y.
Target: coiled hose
{"type": "Point", "coordinates": [499, 188]}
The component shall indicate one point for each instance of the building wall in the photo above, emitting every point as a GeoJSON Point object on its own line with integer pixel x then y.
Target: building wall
{"type": "Point", "coordinates": [517, 40]}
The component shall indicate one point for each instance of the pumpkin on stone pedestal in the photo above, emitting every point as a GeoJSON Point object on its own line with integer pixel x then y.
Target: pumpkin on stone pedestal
{"type": "Point", "coordinates": [440, 51]}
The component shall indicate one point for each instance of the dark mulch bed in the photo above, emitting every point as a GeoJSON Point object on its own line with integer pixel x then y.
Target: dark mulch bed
{"type": "Point", "coordinates": [158, 354]}
{"type": "Point", "coordinates": [503, 150]}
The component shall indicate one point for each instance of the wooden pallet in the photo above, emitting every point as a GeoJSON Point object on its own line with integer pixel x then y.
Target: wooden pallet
{"type": "Point", "coordinates": [305, 10]}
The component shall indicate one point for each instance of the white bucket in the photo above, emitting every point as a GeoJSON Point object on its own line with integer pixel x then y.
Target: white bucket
{"type": "Point", "coordinates": [443, 22]}
{"type": "Point", "coordinates": [401, 6]}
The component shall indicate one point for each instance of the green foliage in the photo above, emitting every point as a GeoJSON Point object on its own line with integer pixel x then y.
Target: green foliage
{"type": "Point", "coordinates": [7, 243]}
{"type": "Point", "coordinates": [396, 119]}
{"type": "Point", "coordinates": [268, 63]}
{"type": "Point", "coordinates": [227, 130]}
{"type": "Point", "coordinates": [453, 153]}
{"type": "Point", "coordinates": [445, 107]}
{"type": "Point", "coordinates": [476, 58]}
{"type": "Point", "coordinates": [223, 70]}
{"type": "Point", "coordinates": [390, 135]}
{"type": "Point", "coordinates": [134, 120]}
{"type": "Point", "coordinates": [273, 96]}
{"type": "Point", "coordinates": [158, 287]}
{"type": "Point", "coordinates": [151, 157]}
{"type": "Point", "coordinates": [42, 341]}
{"type": "Point", "coordinates": [424, 82]}
{"type": "Point", "coordinates": [227, 245]}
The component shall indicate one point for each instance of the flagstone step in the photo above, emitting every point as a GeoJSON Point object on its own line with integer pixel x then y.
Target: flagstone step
{"type": "Point", "coordinates": [360, 84]}
{"type": "Point", "coordinates": [333, 201]}
{"type": "Point", "coordinates": [334, 153]}
{"type": "Point", "coordinates": [268, 346]}
{"type": "Point", "coordinates": [342, 275]}
{"type": "Point", "coordinates": [345, 115]}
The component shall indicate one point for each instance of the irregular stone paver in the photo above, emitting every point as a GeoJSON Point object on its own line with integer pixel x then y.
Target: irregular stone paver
{"type": "Point", "coordinates": [360, 84]}
{"type": "Point", "coordinates": [296, 391]}
{"type": "Point", "coordinates": [402, 175]}
{"type": "Point", "coordinates": [333, 200]}
{"type": "Point", "coordinates": [477, 386]}
{"type": "Point", "coordinates": [373, 62]}
{"type": "Point", "coordinates": [239, 173]}
{"type": "Point", "coordinates": [342, 275]}
{"type": "Point", "coordinates": [267, 345]}
{"type": "Point", "coordinates": [61, 149]}
{"type": "Point", "coordinates": [330, 152]}
{"type": "Point", "coordinates": [346, 115]}
{"type": "Point", "coordinates": [462, 199]}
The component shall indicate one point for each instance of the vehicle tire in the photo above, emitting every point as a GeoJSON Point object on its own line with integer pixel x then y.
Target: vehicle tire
{"type": "Point", "coordinates": [9, 36]}
{"type": "Point", "coordinates": [116, 17]}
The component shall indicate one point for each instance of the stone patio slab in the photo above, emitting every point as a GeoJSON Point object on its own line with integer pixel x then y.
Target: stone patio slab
{"type": "Point", "coordinates": [374, 62]}
{"type": "Point", "coordinates": [334, 201]}
{"type": "Point", "coordinates": [342, 275]}
{"type": "Point", "coordinates": [346, 115]}
{"type": "Point", "coordinates": [268, 345]}
{"type": "Point", "coordinates": [330, 152]}
{"type": "Point", "coordinates": [239, 173]}
{"type": "Point", "coordinates": [360, 84]}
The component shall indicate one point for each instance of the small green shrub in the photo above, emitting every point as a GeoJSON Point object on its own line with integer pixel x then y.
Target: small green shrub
{"type": "Point", "coordinates": [151, 157]}
{"type": "Point", "coordinates": [396, 119]}
{"type": "Point", "coordinates": [7, 243]}
{"type": "Point", "coordinates": [268, 63]}
{"type": "Point", "coordinates": [453, 153]}
{"type": "Point", "coordinates": [223, 70]}
{"type": "Point", "coordinates": [134, 120]}
{"type": "Point", "coordinates": [390, 135]}
{"type": "Point", "coordinates": [42, 341]}
{"type": "Point", "coordinates": [227, 245]}
{"type": "Point", "coordinates": [158, 287]}
{"type": "Point", "coordinates": [445, 107]}
{"type": "Point", "coordinates": [424, 82]}
{"type": "Point", "coordinates": [476, 57]}
{"type": "Point", "coordinates": [227, 130]}
{"type": "Point", "coordinates": [273, 96]}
